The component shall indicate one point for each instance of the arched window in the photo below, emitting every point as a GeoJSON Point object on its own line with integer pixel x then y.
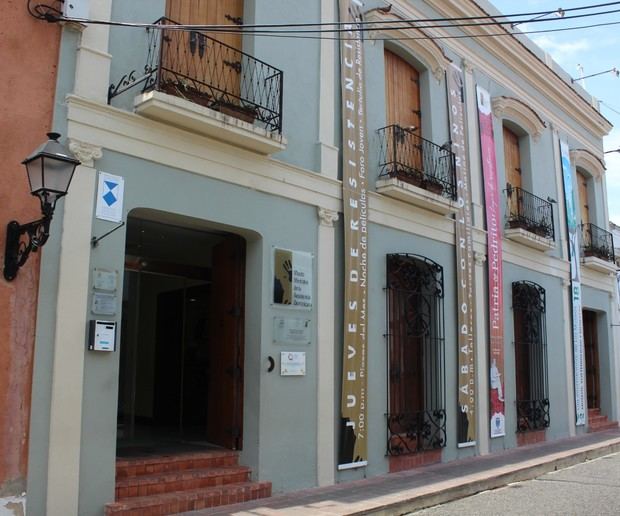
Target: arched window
{"type": "Point", "coordinates": [530, 334]}
{"type": "Point", "coordinates": [416, 363]}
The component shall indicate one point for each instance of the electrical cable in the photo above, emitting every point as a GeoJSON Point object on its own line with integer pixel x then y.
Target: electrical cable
{"type": "Point", "coordinates": [244, 28]}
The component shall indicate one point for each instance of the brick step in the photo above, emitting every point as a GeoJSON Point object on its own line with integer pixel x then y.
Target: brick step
{"type": "Point", "coordinates": [597, 420]}
{"type": "Point", "coordinates": [182, 501]}
{"type": "Point", "coordinates": [160, 483]}
{"type": "Point", "coordinates": [604, 426]}
{"type": "Point", "coordinates": [594, 412]}
{"type": "Point", "coordinates": [131, 467]}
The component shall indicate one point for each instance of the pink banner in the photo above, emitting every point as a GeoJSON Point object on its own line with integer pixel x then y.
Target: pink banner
{"type": "Point", "coordinates": [494, 245]}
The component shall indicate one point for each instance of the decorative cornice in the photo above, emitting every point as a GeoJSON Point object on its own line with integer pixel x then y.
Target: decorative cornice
{"type": "Point", "coordinates": [425, 48]}
{"type": "Point", "coordinates": [480, 258]}
{"type": "Point", "coordinates": [519, 112]}
{"type": "Point", "coordinates": [587, 160]}
{"type": "Point", "coordinates": [327, 217]}
{"type": "Point", "coordinates": [85, 152]}
{"type": "Point", "coordinates": [526, 63]}
{"type": "Point", "coordinates": [467, 65]}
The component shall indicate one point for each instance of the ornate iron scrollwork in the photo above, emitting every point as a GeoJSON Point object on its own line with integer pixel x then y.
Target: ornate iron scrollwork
{"type": "Point", "coordinates": [529, 306]}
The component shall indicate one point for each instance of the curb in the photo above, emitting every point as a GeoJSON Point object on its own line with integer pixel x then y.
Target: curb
{"type": "Point", "coordinates": [493, 480]}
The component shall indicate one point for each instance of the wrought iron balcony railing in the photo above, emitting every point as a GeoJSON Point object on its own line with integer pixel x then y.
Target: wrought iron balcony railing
{"type": "Point", "coordinates": [415, 432]}
{"type": "Point", "coordinates": [532, 415]}
{"type": "Point", "coordinates": [410, 158]}
{"type": "Point", "coordinates": [194, 66]}
{"type": "Point", "coordinates": [529, 212]}
{"type": "Point", "coordinates": [597, 242]}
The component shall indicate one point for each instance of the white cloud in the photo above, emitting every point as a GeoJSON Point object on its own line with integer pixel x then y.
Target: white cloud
{"type": "Point", "coordinates": [562, 52]}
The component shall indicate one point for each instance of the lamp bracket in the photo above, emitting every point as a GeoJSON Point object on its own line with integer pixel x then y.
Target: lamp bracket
{"type": "Point", "coordinates": [17, 250]}
{"type": "Point", "coordinates": [94, 242]}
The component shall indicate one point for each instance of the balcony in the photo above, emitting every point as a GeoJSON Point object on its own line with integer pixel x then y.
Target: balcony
{"type": "Point", "coordinates": [529, 219]}
{"type": "Point", "coordinates": [196, 82]}
{"type": "Point", "coordinates": [597, 246]}
{"type": "Point", "coordinates": [416, 170]}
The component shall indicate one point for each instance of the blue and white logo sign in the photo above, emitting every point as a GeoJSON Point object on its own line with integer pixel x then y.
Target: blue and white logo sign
{"type": "Point", "coordinates": [110, 192]}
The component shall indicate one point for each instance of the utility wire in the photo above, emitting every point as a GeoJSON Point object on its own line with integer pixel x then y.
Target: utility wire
{"type": "Point", "coordinates": [368, 28]}
{"type": "Point", "coordinates": [242, 28]}
{"type": "Point", "coordinates": [437, 23]}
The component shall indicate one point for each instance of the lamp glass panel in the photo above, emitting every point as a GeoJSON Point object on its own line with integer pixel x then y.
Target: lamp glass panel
{"type": "Point", "coordinates": [35, 174]}
{"type": "Point", "coordinates": [57, 175]}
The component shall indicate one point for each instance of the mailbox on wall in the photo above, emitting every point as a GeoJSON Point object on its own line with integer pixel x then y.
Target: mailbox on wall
{"type": "Point", "coordinates": [102, 336]}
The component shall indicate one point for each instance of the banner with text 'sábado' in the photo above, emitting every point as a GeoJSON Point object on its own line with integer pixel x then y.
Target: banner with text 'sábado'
{"type": "Point", "coordinates": [466, 423]}
{"type": "Point", "coordinates": [575, 273]}
{"type": "Point", "coordinates": [494, 262]}
{"type": "Point", "coordinates": [352, 452]}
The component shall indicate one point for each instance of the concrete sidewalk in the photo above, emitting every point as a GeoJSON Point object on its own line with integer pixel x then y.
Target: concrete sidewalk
{"type": "Point", "coordinates": [399, 493]}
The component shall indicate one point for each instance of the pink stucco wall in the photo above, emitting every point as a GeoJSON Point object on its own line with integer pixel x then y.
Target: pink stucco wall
{"type": "Point", "coordinates": [28, 61]}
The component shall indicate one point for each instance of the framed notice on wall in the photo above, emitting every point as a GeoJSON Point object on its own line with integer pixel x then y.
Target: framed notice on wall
{"type": "Point", "coordinates": [292, 278]}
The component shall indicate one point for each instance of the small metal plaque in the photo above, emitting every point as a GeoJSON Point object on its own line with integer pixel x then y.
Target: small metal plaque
{"type": "Point", "coordinates": [104, 304]}
{"type": "Point", "coordinates": [293, 363]}
{"type": "Point", "coordinates": [292, 330]}
{"type": "Point", "coordinates": [105, 280]}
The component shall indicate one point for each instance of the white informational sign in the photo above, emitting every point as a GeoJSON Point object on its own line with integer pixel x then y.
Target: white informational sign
{"type": "Point", "coordinates": [292, 278]}
{"type": "Point", "coordinates": [290, 330]}
{"type": "Point", "coordinates": [293, 363]}
{"type": "Point", "coordinates": [104, 280]}
{"type": "Point", "coordinates": [110, 192]}
{"type": "Point", "coordinates": [104, 304]}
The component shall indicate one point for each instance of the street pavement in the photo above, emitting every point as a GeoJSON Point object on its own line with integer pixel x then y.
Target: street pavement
{"type": "Point", "coordinates": [407, 491]}
{"type": "Point", "coordinates": [590, 488]}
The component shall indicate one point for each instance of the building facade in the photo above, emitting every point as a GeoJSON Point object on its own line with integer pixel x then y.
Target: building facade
{"type": "Point", "coordinates": [205, 228]}
{"type": "Point", "coordinates": [29, 65]}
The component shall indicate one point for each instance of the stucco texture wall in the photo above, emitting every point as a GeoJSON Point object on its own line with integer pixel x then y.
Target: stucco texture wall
{"type": "Point", "coordinates": [29, 54]}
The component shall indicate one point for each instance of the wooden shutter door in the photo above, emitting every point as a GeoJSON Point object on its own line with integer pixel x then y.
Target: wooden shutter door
{"type": "Point", "coordinates": [512, 163]}
{"type": "Point", "coordinates": [218, 66]}
{"type": "Point", "coordinates": [582, 187]}
{"type": "Point", "coordinates": [402, 101]}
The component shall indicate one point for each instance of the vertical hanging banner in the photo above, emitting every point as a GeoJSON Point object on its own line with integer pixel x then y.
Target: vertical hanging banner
{"type": "Point", "coordinates": [353, 439]}
{"type": "Point", "coordinates": [494, 263]}
{"type": "Point", "coordinates": [466, 424]}
{"type": "Point", "coordinates": [575, 273]}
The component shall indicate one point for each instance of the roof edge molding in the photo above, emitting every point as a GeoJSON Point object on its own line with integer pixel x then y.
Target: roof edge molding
{"type": "Point", "coordinates": [426, 48]}
{"type": "Point", "coordinates": [519, 112]}
{"type": "Point", "coordinates": [588, 161]}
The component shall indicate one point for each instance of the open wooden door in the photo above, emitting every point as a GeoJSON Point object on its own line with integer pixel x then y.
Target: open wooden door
{"type": "Point", "coordinates": [225, 404]}
{"type": "Point", "coordinates": [590, 342]}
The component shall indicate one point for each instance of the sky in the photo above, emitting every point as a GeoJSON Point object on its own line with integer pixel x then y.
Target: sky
{"type": "Point", "coordinates": [597, 50]}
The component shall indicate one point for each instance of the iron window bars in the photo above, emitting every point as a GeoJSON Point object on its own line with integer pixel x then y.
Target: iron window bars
{"type": "Point", "coordinates": [416, 419]}
{"type": "Point", "coordinates": [597, 242]}
{"type": "Point", "coordinates": [528, 305]}
{"type": "Point", "coordinates": [194, 66]}
{"type": "Point", "coordinates": [527, 211]}
{"type": "Point", "coordinates": [410, 158]}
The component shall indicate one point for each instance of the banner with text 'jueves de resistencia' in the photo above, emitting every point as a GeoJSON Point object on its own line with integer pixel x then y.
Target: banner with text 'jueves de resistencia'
{"type": "Point", "coordinates": [352, 452]}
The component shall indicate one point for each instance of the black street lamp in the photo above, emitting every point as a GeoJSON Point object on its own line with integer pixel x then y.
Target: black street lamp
{"type": "Point", "coordinates": [50, 169]}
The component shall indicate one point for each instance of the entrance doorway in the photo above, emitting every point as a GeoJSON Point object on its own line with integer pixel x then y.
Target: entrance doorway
{"type": "Point", "coordinates": [182, 342]}
{"type": "Point", "coordinates": [590, 342]}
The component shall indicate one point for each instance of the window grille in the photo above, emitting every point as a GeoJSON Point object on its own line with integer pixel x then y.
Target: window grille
{"type": "Point", "coordinates": [528, 304]}
{"type": "Point", "coordinates": [416, 419]}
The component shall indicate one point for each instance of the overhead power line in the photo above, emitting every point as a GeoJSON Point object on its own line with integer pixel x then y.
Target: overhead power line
{"type": "Point", "coordinates": [51, 14]}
